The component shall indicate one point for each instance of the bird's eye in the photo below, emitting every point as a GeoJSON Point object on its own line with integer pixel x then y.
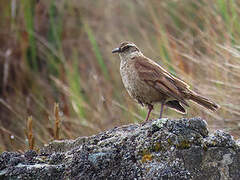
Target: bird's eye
{"type": "Point", "coordinates": [125, 48]}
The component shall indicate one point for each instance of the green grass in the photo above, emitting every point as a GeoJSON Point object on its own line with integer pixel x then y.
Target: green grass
{"type": "Point", "coordinates": [96, 50]}
{"type": "Point", "coordinates": [74, 81]}
{"type": "Point", "coordinates": [29, 7]}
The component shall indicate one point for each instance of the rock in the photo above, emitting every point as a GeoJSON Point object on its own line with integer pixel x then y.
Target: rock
{"type": "Point", "coordinates": [159, 149]}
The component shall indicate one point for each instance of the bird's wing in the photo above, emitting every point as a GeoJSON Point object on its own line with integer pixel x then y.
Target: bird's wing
{"type": "Point", "coordinates": [157, 77]}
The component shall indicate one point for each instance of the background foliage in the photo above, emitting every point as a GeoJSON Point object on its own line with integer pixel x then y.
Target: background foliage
{"type": "Point", "coordinates": [60, 51]}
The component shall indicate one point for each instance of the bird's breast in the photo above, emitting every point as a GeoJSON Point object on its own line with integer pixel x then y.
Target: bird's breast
{"type": "Point", "coordinates": [137, 88]}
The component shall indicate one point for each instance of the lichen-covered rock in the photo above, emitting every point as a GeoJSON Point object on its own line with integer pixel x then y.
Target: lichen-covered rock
{"type": "Point", "coordinates": [159, 149]}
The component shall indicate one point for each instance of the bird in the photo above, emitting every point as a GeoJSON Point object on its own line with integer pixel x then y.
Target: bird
{"type": "Point", "coordinates": [149, 83]}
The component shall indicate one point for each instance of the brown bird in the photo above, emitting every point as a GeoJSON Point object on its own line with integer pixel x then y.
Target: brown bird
{"type": "Point", "coordinates": [148, 83]}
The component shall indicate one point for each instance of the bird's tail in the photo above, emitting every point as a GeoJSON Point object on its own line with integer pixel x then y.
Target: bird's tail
{"type": "Point", "coordinates": [203, 101]}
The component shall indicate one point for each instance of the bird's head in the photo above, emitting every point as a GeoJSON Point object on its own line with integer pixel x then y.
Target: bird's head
{"type": "Point", "coordinates": [127, 49]}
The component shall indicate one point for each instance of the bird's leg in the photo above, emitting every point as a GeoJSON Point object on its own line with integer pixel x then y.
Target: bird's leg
{"type": "Point", "coordinates": [140, 102]}
{"type": "Point", "coordinates": [161, 112]}
{"type": "Point", "coordinates": [150, 108]}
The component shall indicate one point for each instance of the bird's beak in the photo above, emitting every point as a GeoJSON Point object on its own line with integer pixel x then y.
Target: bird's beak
{"type": "Point", "coordinates": [116, 50]}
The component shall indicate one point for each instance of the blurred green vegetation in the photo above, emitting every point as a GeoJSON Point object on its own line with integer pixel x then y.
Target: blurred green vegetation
{"type": "Point", "coordinates": [59, 51]}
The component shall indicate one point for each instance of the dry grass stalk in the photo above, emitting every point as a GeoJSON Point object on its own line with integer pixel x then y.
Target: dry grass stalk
{"type": "Point", "coordinates": [57, 121]}
{"type": "Point", "coordinates": [29, 133]}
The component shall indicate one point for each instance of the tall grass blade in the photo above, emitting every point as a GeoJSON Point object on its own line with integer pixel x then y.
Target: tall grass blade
{"type": "Point", "coordinates": [29, 20]}
{"type": "Point", "coordinates": [96, 50]}
{"type": "Point", "coordinates": [74, 80]}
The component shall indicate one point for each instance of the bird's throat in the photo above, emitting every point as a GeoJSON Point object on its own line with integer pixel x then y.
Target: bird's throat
{"type": "Point", "coordinates": [129, 56]}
